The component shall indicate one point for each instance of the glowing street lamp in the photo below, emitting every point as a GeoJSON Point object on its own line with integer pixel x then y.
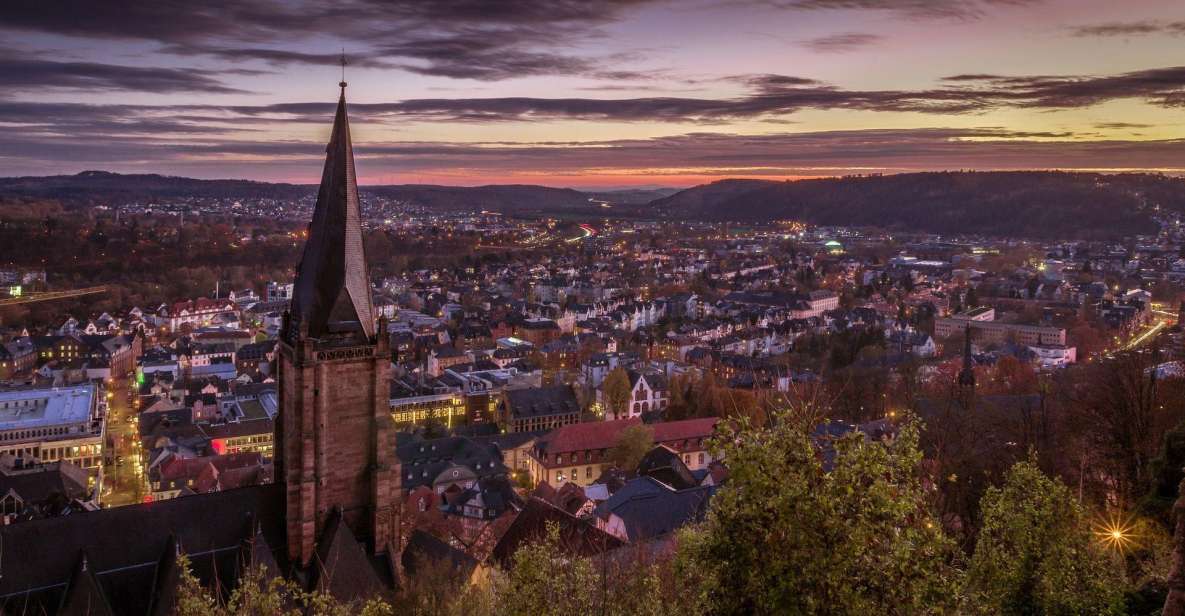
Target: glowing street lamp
{"type": "Point", "coordinates": [1116, 534]}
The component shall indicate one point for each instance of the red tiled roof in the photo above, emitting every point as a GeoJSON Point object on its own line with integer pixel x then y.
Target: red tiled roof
{"type": "Point", "coordinates": [668, 431]}
{"type": "Point", "coordinates": [603, 434]}
{"type": "Point", "coordinates": [201, 304]}
{"type": "Point", "coordinates": [585, 436]}
{"type": "Point", "coordinates": [184, 468]}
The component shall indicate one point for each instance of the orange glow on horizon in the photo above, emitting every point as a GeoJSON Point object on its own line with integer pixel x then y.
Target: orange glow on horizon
{"type": "Point", "coordinates": [556, 180]}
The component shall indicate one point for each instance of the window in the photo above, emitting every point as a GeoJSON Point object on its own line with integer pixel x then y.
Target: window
{"type": "Point", "coordinates": [588, 472]}
{"type": "Point", "coordinates": [701, 459]}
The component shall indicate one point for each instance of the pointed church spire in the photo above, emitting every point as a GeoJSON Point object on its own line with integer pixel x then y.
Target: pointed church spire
{"type": "Point", "coordinates": [331, 297]}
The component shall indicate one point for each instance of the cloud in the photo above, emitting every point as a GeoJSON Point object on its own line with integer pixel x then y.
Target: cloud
{"type": "Point", "coordinates": [1159, 86]}
{"type": "Point", "coordinates": [841, 43]}
{"type": "Point", "coordinates": [767, 97]}
{"type": "Point", "coordinates": [702, 154]}
{"type": "Point", "coordinates": [32, 74]}
{"type": "Point", "coordinates": [924, 9]}
{"type": "Point", "coordinates": [1130, 28]}
{"type": "Point", "coordinates": [465, 39]}
{"type": "Point", "coordinates": [276, 57]}
{"type": "Point", "coordinates": [1120, 125]}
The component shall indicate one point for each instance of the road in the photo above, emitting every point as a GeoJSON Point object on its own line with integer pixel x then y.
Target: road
{"type": "Point", "coordinates": [1146, 336]}
{"type": "Point", "coordinates": [586, 232]}
{"type": "Point", "coordinates": [123, 484]}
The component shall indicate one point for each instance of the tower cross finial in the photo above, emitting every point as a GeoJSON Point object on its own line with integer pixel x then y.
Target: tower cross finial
{"type": "Point", "coordinates": [343, 62]}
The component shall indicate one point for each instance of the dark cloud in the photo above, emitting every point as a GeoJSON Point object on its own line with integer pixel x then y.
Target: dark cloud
{"type": "Point", "coordinates": [1160, 86]}
{"type": "Point", "coordinates": [276, 57]}
{"type": "Point", "coordinates": [702, 153]}
{"type": "Point", "coordinates": [32, 74]}
{"type": "Point", "coordinates": [479, 55]}
{"type": "Point", "coordinates": [841, 43]}
{"type": "Point", "coordinates": [1120, 125]}
{"type": "Point", "coordinates": [925, 9]}
{"type": "Point", "coordinates": [768, 97]}
{"type": "Point", "coordinates": [470, 39]}
{"type": "Point", "coordinates": [1131, 28]}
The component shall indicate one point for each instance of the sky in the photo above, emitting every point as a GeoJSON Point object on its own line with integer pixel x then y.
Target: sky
{"type": "Point", "coordinates": [591, 93]}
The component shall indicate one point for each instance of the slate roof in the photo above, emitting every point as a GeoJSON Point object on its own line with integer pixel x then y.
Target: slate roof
{"type": "Point", "coordinates": [256, 350]}
{"type": "Point", "coordinates": [577, 536]}
{"type": "Point", "coordinates": [423, 460]}
{"type": "Point", "coordinates": [649, 508]}
{"type": "Point", "coordinates": [665, 465]}
{"type": "Point", "coordinates": [342, 567]}
{"type": "Point", "coordinates": [421, 546]}
{"type": "Point", "coordinates": [40, 556]}
{"type": "Point", "coordinates": [37, 483]}
{"type": "Point", "coordinates": [331, 293]}
{"type": "Point", "coordinates": [84, 596]}
{"type": "Point", "coordinates": [542, 401]}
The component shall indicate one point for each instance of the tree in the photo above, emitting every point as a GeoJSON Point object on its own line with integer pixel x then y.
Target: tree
{"type": "Point", "coordinates": [1166, 471]}
{"type": "Point", "coordinates": [431, 589]}
{"type": "Point", "coordinates": [1010, 376]}
{"type": "Point", "coordinates": [631, 445]}
{"type": "Point", "coordinates": [1120, 410]}
{"type": "Point", "coordinates": [257, 595]}
{"type": "Point", "coordinates": [787, 536]}
{"type": "Point", "coordinates": [1035, 553]}
{"type": "Point", "coordinates": [679, 405]}
{"type": "Point", "coordinates": [616, 391]}
{"type": "Point", "coordinates": [545, 580]}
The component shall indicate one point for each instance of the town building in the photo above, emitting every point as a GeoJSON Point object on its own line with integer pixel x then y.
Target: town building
{"type": "Point", "coordinates": [985, 329]}
{"type": "Point", "coordinates": [538, 408]}
{"type": "Point", "coordinates": [55, 424]}
{"type": "Point", "coordinates": [194, 313]}
{"type": "Point", "coordinates": [30, 489]}
{"type": "Point", "coordinates": [579, 453]}
{"type": "Point", "coordinates": [178, 476]}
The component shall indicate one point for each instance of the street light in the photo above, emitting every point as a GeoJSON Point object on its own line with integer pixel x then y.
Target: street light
{"type": "Point", "coordinates": [1116, 534]}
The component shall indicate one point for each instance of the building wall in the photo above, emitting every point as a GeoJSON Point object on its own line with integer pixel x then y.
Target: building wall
{"type": "Point", "coordinates": [540, 422]}
{"type": "Point", "coordinates": [338, 442]}
{"type": "Point", "coordinates": [587, 466]}
{"type": "Point", "coordinates": [995, 331]}
{"type": "Point", "coordinates": [450, 409]}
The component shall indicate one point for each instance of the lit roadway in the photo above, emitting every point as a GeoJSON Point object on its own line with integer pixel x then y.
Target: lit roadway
{"type": "Point", "coordinates": [1145, 336]}
{"type": "Point", "coordinates": [588, 232]}
{"type": "Point", "coordinates": [123, 482]}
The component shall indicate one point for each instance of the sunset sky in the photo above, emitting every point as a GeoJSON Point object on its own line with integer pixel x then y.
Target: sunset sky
{"type": "Point", "coordinates": [588, 93]}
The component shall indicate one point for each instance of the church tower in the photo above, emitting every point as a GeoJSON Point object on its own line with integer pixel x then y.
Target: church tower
{"type": "Point", "coordinates": [336, 450]}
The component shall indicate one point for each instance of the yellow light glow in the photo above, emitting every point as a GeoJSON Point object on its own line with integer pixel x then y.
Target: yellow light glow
{"type": "Point", "coordinates": [1117, 533]}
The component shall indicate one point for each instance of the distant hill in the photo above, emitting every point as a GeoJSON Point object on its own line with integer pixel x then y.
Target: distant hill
{"type": "Point", "coordinates": [1035, 204]}
{"type": "Point", "coordinates": [501, 198]}
{"type": "Point", "coordinates": [101, 187]}
{"type": "Point", "coordinates": [632, 196]}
